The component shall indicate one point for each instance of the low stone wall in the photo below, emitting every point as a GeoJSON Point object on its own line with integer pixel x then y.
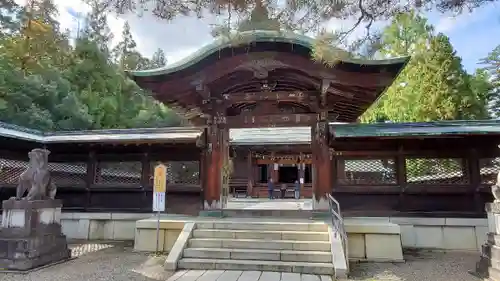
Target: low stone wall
{"type": "Point", "coordinates": [461, 234]}
{"type": "Point", "coordinates": [425, 233]}
{"type": "Point", "coordinates": [100, 226]}
{"type": "Point", "coordinates": [374, 240]}
{"type": "Point", "coordinates": [169, 230]}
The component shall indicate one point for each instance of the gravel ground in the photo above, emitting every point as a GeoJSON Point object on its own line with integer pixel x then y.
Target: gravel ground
{"type": "Point", "coordinates": [420, 266]}
{"type": "Point", "coordinates": [117, 262]}
{"type": "Point", "coordinates": [99, 262]}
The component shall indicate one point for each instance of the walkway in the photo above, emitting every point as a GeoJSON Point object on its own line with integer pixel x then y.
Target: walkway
{"type": "Point", "coordinates": [236, 275]}
{"type": "Point", "coordinates": [267, 204]}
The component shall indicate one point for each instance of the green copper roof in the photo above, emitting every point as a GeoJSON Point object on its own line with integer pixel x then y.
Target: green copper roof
{"type": "Point", "coordinates": [423, 129]}
{"type": "Point", "coordinates": [253, 36]}
{"type": "Point", "coordinates": [256, 136]}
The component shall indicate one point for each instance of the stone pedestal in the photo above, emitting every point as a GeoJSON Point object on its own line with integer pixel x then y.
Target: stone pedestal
{"type": "Point", "coordinates": [31, 235]}
{"type": "Point", "coordinates": [488, 266]}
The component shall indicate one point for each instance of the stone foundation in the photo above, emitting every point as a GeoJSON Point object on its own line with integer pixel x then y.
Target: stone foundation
{"type": "Point", "coordinates": [488, 266]}
{"type": "Point", "coordinates": [31, 234]}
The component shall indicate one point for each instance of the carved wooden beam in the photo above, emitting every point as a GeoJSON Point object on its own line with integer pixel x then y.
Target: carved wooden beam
{"type": "Point", "coordinates": [294, 96]}
{"type": "Point", "coordinates": [279, 120]}
{"type": "Point", "coordinates": [325, 86]}
{"type": "Point", "coordinates": [202, 89]}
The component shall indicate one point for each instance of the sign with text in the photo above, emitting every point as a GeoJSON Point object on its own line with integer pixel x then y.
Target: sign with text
{"type": "Point", "coordinates": [159, 201]}
{"type": "Point", "coordinates": [160, 178]}
{"type": "Point", "coordinates": [159, 188]}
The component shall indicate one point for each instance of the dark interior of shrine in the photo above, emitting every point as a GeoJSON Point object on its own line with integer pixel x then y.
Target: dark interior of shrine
{"type": "Point", "coordinates": [288, 174]}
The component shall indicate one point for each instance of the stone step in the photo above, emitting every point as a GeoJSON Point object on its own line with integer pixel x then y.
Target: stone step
{"type": "Point", "coordinates": [278, 266]}
{"type": "Point", "coordinates": [322, 246]}
{"type": "Point", "coordinates": [261, 234]}
{"type": "Point", "coordinates": [279, 226]}
{"type": "Point", "coordinates": [258, 254]}
{"type": "Point", "coordinates": [253, 213]}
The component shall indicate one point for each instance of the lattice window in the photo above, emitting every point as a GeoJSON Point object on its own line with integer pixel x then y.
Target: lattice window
{"type": "Point", "coordinates": [366, 171]}
{"type": "Point", "coordinates": [63, 174]}
{"type": "Point", "coordinates": [180, 172]}
{"type": "Point", "coordinates": [119, 173]}
{"type": "Point", "coordinates": [435, 171]}
{"type": "Point", "coordinates": [489, 168]}
{"type": "Point", "coordinates": [10, 170]}
{"type": "Point", "coordinates": [68, 174]}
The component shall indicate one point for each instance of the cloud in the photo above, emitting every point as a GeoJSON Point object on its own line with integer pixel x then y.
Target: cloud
{"type": "Point", "coordinates": [446, 24]}
{"type": "Point", "coordinates": [175, 37]}
{"type": "Point", "coordinates": [185, 35]}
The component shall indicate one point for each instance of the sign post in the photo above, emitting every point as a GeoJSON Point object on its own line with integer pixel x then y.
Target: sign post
{"type": "Point", "coordinates": [159, 188]}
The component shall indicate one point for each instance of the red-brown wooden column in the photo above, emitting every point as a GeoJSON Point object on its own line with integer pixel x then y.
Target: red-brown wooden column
{"type": "Point", "coordinates": [322, 178]}
{"type": "Point", "coordinates": [214, 161]}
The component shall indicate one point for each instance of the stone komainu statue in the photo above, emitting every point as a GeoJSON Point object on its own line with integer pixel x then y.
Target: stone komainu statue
{"type": "Point", "coordinates": [36, 178]}
{"type": "Point", "coordinates": [495, 189]}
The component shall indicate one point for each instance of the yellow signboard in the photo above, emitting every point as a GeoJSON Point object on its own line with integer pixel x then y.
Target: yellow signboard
{"type": "Point", "coordinates": [160, 179]}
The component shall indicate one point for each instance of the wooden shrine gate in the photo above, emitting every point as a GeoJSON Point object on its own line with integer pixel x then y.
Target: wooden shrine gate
{"type": "Point", "coordinates": [216, 161]}
{"type": "Point", "coordinates": [267, 80]}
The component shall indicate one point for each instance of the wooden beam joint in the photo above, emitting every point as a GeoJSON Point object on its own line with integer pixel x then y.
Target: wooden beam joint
{"type": "Point", "coordinates": [279, 120]}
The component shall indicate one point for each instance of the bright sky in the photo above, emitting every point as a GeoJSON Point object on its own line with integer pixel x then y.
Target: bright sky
{"type": "Point", "coordinates": [472, 34]}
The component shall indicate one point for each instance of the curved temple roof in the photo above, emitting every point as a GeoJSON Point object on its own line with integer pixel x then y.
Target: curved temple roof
{"type": "Point", "coordinates": [249, 37]}
{"type": "Point", "coordinates": [241, 65]}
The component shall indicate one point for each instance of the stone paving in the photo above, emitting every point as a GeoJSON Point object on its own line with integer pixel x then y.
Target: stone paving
{"type": "Point", "coordinates": [267, 204]}
{"type": "Point", "coordinates": [115, 261]}
{"type": "Point", "coordinates": [237, 275]}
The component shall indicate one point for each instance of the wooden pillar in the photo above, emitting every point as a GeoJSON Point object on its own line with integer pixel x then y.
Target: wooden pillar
{"type": "Point", "coordinates": [322, 178]}
{"type": "Point", "coordinates": [401, 178]}
{"type": "Point", "coordinates": [145, 170]}
{"type": "Point", "coordinates": [203, 174]}
{"type": "Point", "coordinates": [145, 181]}
{"type": "Point", "coordinates": [473, 170]}
{"type": "Point", "coordinates": [91, 170]}
{"type": "Point", "coordinates": [250, 172]}
{"type": "Point", "coordinates": [216, 150]}
{"type": "Point", "coordinates": [274, 171]}
{"type": "Point", "coordinates": [302, 174]}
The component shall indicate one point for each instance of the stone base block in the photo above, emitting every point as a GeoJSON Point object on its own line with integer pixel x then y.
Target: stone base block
{"type": "Point", "coordinates": [32, 252]}
{"type": "Point", "coordinates": [31, 234]}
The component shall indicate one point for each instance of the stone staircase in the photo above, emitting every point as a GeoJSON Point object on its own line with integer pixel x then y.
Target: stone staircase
{"type": "Point", "coordinates": [299, 247]}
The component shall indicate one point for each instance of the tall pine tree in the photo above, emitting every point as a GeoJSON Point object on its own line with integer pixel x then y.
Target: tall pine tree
{"type": "Point", "coordinates": [158, 60]}
{"type": "Point", "coordinates": [96, 27]}
{"type": "Point", "coordinates": [125, 53]}
{"type": "Point", "coordinates": [492, 67]}
{"type": "Point", "coordinates": [433, 86]}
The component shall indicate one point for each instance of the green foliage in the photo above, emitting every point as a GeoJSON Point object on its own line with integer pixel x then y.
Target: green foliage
{"type": "Point", "coordinates": [47, 84]}
{"type": "Point", "coordinates": [491, 73]}
{"type": "Point", "coordinates": [434, 85]}
{"type": "Point", "coordinates": [297, 15]}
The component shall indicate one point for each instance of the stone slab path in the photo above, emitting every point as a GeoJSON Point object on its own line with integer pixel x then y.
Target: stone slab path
{"type": "Point", "coordinates": [268, 204]}
{"type": "Point", "coordinates": [237, 275]}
